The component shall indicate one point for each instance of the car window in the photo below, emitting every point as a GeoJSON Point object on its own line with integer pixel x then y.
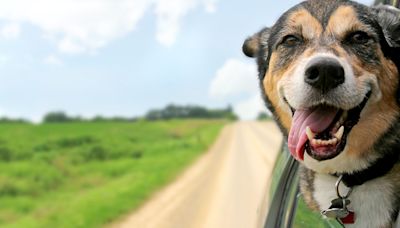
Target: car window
{"type": "Point", "coordinates": [304, 217]}
{"type": "Point", "coordinates": [283, 191]}
{"type": "Point", "coordinates": [286, 205]}
{"type": "Point", "coordinates": [281, 162]}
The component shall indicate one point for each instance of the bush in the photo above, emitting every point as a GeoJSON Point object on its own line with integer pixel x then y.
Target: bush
{"type": "Point", "coordinates": [7, 188]}
{"type": "Point", "coordinates": [56, 117]}
{"type": "Point", "coordinates": [96, 153]}
{"type": "Point", "coordinates": [42, 148]}
{"type": "Point", "coordinates": [5, 154]}
{"type": "Point", "coordinates": [74, 142]}
{"type": "Point", "coordinates": [137, 154]}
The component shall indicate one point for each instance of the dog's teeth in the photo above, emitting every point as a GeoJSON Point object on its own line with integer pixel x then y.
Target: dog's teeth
{"type": "Point", "coordinates": [309, 133]}
{"type": "Point", "coordinates": [339, 133]}
{"type": "Point", "coordinates": [321, 142]}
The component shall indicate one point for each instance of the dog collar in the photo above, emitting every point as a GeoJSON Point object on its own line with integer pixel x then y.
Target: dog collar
{"type": "Point", "coordinates": [378, 168]}
{"type": "Point", "coordinates": [338, 209]}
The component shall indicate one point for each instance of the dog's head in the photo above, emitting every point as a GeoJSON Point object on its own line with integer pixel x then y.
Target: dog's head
{"type": "Point", "coordinates": [329, 72]}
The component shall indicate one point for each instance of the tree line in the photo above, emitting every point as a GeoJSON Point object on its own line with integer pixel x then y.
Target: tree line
{"type": "Point", "coordinates": [62, 117]}
{"type": "Point", "coordinates": [169, 112]}
{"type": "Point", "coordinates": [189, 112]}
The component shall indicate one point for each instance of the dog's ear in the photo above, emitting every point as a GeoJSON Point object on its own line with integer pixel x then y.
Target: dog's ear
{"type": "Point", "coordinates": [395, 32]}
{"type": "Point", "coordinates": [389, 19]}
{"type": "Point", "coordinates": [251, 46]}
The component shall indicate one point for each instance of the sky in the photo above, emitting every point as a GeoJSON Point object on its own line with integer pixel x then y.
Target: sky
{"type": "Point", "coordinates": [122, 58]}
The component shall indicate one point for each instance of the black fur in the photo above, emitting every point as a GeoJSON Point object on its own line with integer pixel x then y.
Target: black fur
{"type": "Point", "coordinates": [389, 20]}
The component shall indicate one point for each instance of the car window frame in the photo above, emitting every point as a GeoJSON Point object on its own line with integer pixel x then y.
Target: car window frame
{"type": "Point", "coordinates": [283, 206]}
{"type": "Point", "coordinates": [278, 215]}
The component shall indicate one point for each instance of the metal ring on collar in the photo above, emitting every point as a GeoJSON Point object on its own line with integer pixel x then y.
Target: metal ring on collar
{"type": "Point", "coordinates": [338, 191]}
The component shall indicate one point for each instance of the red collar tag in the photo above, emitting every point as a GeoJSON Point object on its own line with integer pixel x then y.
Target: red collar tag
{"type": "Point", "coordinates": [349, 219]}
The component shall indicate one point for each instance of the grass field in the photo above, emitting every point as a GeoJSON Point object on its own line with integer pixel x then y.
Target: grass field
{"type": "Point", "coordinates": [88, 174]}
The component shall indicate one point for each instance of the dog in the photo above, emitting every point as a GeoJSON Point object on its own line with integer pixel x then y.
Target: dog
{"type": "Point", "coordinates": [329, 73]}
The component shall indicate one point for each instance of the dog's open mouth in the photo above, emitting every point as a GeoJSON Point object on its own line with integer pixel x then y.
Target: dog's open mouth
{"type": "Point", "coordinates": [322, 131]}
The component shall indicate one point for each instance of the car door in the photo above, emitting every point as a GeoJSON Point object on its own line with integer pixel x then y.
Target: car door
{"type": "Point", "coordinates": [287, 207]}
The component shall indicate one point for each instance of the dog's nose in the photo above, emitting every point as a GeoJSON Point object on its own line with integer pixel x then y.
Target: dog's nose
{"type": "Point", "coordinates": [324, 74]}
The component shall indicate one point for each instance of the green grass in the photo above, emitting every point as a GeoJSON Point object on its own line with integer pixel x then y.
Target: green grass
{"type": "Point", "coordinates": [89, 174]}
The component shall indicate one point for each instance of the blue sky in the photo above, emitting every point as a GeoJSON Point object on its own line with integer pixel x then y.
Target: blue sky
{"type": "Point", "coordinates": [121, 58]}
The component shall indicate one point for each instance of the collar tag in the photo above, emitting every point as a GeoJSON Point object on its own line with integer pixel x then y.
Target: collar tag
{"type": "Point", "coordinates": [349, 219]}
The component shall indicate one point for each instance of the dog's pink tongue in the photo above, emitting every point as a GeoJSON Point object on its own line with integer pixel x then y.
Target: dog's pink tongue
{"type": "Point", "coordinates": [318, 119]}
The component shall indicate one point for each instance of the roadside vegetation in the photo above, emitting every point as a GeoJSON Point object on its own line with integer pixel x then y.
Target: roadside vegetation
{"type": "Point", "coordinates": [263, 116]}
{"type": "Point", "coordinates": [169, 112]}
{"type": "Point", "coordinates": [87, 174]}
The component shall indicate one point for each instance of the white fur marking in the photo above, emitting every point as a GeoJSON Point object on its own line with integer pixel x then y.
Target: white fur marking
{"type": "Point", "coordinates": [371, 201]}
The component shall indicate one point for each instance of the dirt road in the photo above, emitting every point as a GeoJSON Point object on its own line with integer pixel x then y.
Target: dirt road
{"type": "Point", "coordinates": [224, 188]}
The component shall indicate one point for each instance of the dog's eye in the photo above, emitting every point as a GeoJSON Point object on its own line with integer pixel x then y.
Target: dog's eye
{"type": "Point", "coordinates": [291, 41]}
{"type": "Point", "coordinates": [359, 37]}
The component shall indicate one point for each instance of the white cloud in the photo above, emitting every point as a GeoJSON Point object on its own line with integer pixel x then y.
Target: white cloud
{"type": "Point", "coordinates": [210, 6]}
{"type": "Point", "coordinates": [250, 108]}
{"type": "Point", "coordinates": [81, 26]}
{"type": "Point", "coordinates": [169, 14]}
{"type": "Point", "coordinates": [10, 31]}
{"type": "Point", "coordinates": [53, 60]}
{"type": "Point", "coordinates": [233, 78]}
{"type": "Point", "coordinates": [238, 78]}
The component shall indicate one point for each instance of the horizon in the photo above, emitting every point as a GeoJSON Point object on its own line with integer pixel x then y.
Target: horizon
{"type": "Point", "coordinates": [99, 115]}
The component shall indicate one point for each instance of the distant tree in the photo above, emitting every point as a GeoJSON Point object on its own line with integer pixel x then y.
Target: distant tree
{"type": "Point", "coordinates": [98, 119]}
{"type": "Point", "coordinates": [56, 117]}
{"type": "Point", "coordinates": [263, 116]}
{"type": "Point", "coordinates": [61, 117]}
{"type": "Point", "coordinates": [154, 115]}
{"type": "Point", "coordinates": [12, 120]}
{"type": "Point", "coordinates": [190, 111]}
{"type": "Point", "coordinates": [197, 112]}
{"type": "Point", "coordinates": [112, 119]}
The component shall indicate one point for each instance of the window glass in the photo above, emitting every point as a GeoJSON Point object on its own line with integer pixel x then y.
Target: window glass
{"type": "Point", "coordinates": [305, 217]}
{"type": "Point", "coordinates": [287, 207]}
{"type": "Point", "coordinates": [280, 163]}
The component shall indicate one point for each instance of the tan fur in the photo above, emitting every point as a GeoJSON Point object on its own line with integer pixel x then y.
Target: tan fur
{"type": "Point", "coordinates": [308, 25]}
{"type": "Point", "coordinates": [270, 82]}
{"type": "Point", "coordinates": [377, 117]}
{"type": "Point", "coordinates": [344, 19]}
